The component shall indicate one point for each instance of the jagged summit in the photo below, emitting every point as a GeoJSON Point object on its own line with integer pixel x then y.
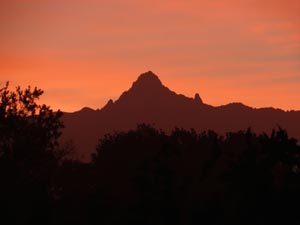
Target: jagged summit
{"type": "Point", "coordinates": [198, 99]}
{"type": "Point", "coordinates": [147, 79]}
{"type": "Point", "coordinates": [108, 104]}
{"type": "Point", "coordinates": [149, 89]}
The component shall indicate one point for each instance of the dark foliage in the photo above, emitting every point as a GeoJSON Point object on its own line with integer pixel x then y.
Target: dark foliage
{"type": "Point", "coordinates": [143, 176]}
{"type": "Point", "coordinates": [29, 155]}
{"type": "Point", "coordinates": [191, 178]}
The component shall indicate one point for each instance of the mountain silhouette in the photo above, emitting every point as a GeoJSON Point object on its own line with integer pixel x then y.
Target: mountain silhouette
{"type": "Point", "coordinates": [149, 101]}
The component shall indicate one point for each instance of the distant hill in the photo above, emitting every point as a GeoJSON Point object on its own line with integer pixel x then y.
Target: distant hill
{"type": "Point", "coordinates": [149, 101]}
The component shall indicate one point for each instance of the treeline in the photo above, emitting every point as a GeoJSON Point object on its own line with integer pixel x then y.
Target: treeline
{"type": "Point", "coordinates": [143, 176]}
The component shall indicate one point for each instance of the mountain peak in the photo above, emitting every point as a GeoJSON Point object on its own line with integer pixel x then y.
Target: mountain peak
{"type": "Point", "coordinates": [108, 104]}
{"type": "Point", "coordinates": [147, 79]}
{"type": "Point", "coordinates": [198, 99]}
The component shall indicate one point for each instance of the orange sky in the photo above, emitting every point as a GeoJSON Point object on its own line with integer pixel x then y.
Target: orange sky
{"type": "Point", "coordinates": [84, 52]}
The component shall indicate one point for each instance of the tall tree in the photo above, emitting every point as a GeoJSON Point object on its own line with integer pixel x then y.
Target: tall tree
{"type": "Point", "coordinates": [29, 154]}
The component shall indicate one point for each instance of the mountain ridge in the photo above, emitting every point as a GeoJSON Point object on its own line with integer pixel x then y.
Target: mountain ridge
{"type": "Point", "coordinates": [149, 101]}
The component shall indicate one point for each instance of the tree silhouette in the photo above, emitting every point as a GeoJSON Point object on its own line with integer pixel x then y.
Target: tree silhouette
{"type": "Point", "coordinates": [142, 176]}
{"type": "Point", "coordinates": [29, 153]}
{"type": "Point", "coordinates": [192, 178]}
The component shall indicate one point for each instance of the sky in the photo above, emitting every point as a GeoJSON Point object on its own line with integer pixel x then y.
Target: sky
{"type": "Point", "coordinates": [85, 52]}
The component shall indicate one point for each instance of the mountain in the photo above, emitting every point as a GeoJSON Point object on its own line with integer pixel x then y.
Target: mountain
{"type": "Point", "coordinates": [149, 101]}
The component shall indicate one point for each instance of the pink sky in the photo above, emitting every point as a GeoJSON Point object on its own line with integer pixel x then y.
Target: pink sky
{"type": "Point", "coordinates": [82, 53]}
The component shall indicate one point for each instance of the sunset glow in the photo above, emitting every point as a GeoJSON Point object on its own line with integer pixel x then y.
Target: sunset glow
{"type": "Point", "coordinates": [85, 52]}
